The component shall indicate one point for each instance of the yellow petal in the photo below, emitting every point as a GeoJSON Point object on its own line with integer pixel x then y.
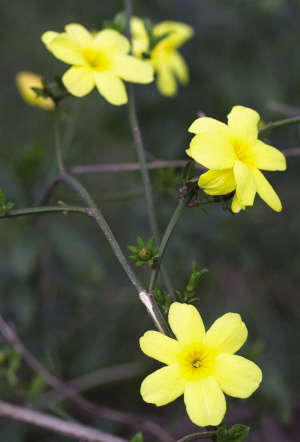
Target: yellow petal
{"type": "Point", "coordinates": [48, 36]}
{"type": "Point", "coordinates": [25, 82]}
{"type": "Point", "coordinates": [79, 34]}
{"type": "Point", "coordinates": [217, 182]}
{"type": "Point", "coordinates": [111, 87]}
{"type": "Point", "coordinates": [111, 42]}
{"type": "Point", "coordinates": [179, 68]}
{"type": "Point", "coordinates": [139, 37]}
{"type": "Point", "coordinates": [160, 347]}
{"type": "Point", "coordinates": [213, 151]}
{"type": "Point", "coordinates": [210, 125]}
{"type": "Point", "coordinates": [245, 183]}
{"type": "Point", "coordinates": [243, 122]}
{"type": "Point", "coordinates": [205, 402]}
{"type": "Point", "coordinates": [66, 50]}
{"type": "Point", "coordinates": [132, 69]}
{"type": "Point", "coordinates": [237, 376]}
{"type": "Point", "coordinates": [163, 386]}
{"type": "Point", "coordinates": [186, 323]}
{"type": "Point", "coordinates": [227, 334]}
{"type": "Point", "coordinates": [265, 190]}
{"type": "Point", "coordinates": [236, 205]}
{"type": "Point", "coordinates": [165, 81]}
{"type": "Point", "coordinates": [79, 80]}
{"type": "Point", "coordinates": [266, 157]}
{"type": "Point", "coordinates": [179, 32]}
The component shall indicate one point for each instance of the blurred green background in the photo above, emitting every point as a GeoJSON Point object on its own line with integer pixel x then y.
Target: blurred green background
{"type": "Point", "coordinates": [62, 286]}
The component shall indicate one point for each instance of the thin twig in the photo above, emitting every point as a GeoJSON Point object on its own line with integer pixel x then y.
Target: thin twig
{"type": "Point", "coordinates": [48, 209]}
{"type": "Point", "coordinates": [98, 410]}
{"type": "Point", "coordinates": [197, 436]}
{"type": "Point", "coordinates": [95, 379]}
{"type": "Point", "coordinates": [121, 167]}
{"type": "Point", "coordinates": [270, 126]}
{"type": "Point", "coordinates": [56, 425]}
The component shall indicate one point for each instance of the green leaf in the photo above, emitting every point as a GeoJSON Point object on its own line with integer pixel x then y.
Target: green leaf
{"type": "Point", "coordinates": [133, 249]}
{"type": "Point", "coordinates": [140, 263]}
{"type": "Point", "coordinates": [222, 435]}
{"type": "Point", "coordinates": [238, 433]}
{"type": "Point", "coordinates": [141, 243]}
{"type": "Point", "coordinates": [150, 243]}
{"type": "Point", "coordinates": [155, 251]}
{"type": "Point", "coordinates": [188, 171]}
{"type": "Point", "coordinates": [136, 258]}
{"type": "Point", "coordinates": [2, 198]}
{"type": "Point", "coordinates": [138, 438]}
{"type": "Point", "coordinates": [9, 206]}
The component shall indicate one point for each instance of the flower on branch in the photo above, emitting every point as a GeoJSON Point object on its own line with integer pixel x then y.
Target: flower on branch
{"type": "Point", "coordinates": [28, 80]}
{"type": "Point", "coordinates": [168, 64]}
{"type": "Point", "coordinates": [99, 59]}
{"type": "Point", "coordinates": [234, 156]}
{"type": "Point", "coordinates": [199, 365]}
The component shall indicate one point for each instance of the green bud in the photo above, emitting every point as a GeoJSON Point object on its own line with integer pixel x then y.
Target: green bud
{"type": "Point", "coordinates": [144, 253]}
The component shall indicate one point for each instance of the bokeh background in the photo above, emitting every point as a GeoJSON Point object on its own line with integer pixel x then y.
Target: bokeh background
{"type": "Point", "coordinates": [62, 287]}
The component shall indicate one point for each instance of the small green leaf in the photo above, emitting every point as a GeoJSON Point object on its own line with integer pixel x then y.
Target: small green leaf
{"type": "Point", "coordinates": [150, 243]}
{"type": "Point", "coordinates": [138, 438]}
{"type": "Point", "coordinates": [155, 251]}
{"type": "Point", "coordinates": [9, 206]}
{"type": "Point", "coordinates": [141, 243]}
{"type": "Point", "coordinates": [222, 435]}
{"type": "Point", "coordinates": [2, 198]}
{"type": "Point", "coordinates": [136, 258]}
{"type": "Point", "coordinates": [238, 433]}
{"type": "Point", "coordinates": [140, 263]}
{"type": "Point", "coordinates": [188, 171]}
{"type": "Point", "coordinates": [133, 249]}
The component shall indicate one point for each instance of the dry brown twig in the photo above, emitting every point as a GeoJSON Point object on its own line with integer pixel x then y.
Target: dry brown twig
{"type": "Point", "coordinates": [138, 422]}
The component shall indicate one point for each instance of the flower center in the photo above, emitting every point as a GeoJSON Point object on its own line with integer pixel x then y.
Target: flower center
{"type": "Point", "coordinates": [96, 60]}
{"type": "Point", "coordinates": [196, 363]}
{"type": "Point", "coordinates": [241, 148]}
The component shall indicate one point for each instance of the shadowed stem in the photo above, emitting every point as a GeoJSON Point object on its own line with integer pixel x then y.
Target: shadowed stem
{"type": "Point", "coordinates": [198, 436]}
{"type": "Point", "coordinates": [137, 136]}
{"type": "Point", "coordinates": [60, 426]}
{"type": "Point", "coordinates": [177, 214]}
{"type": "Point", "coordinates": [48, 209]}
{"type": "Point", "coordinates": [270, 126]}
{"type": "Point", "coordinates": [57, 141]}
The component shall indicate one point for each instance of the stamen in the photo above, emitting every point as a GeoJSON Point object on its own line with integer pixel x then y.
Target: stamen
{"type": "Point", "coordinates": [196, 363]}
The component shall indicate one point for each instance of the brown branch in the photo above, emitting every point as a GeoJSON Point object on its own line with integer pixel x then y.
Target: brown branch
{"type": "Point", "coordinates": [66, 391]}
{"type": "Point", "coordinates": [56, 425]}
{"type": "Point", "coordinates": [293, 152]}
{"type": "Point", "coordinates": [123, 167]}
{"type": "Point", "coordinates": [119, 167]}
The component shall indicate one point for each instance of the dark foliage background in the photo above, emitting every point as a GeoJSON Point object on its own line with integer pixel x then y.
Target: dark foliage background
{"type": "Point", "coordinates": [61, 285]}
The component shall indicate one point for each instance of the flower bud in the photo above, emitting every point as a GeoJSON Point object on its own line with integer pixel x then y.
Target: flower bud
{"type": "Point", "coordinates": [144, 253]}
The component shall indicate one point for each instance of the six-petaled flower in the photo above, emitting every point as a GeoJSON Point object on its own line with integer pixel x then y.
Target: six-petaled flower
{"type": "Point", "coordinates": [99, 59]}
{"type": "Point", "coordinates": [234, 156]}
{"type": "Point", "coordinates": [199, 365]}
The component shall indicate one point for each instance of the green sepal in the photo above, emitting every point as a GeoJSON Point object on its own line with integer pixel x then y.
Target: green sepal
{"type": "Point", "coordinates": [155, 251]}
{"type": "Point", "coordinates": [188, 171]}
{"type": "Point", "coordinates": [137, 438]}
{"type": "Point", "coordinates": [141, 243]}
{"type": "Point", "coordinates": [140, 263]}
{"type": "Point", "coordinates": [150, 243]}
{"type": "Point", "coordinates": [237, 433]}
{"type": "Point", "coordinates": [136, 258]}
{"type": "Point", "coordinates": [133, 249]}
{"type": "Point", "coordinates": [150, 261]}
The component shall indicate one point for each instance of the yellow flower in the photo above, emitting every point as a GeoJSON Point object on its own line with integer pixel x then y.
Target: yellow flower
{"type": "Point", "coordinates": [199, 365]}
{"type": "Point", "coordinates": [99, 59]}
{"type": "Point", "coordinates": [234, 156]}
{"type": "Point", "coordinates": [25, 81]}
{"type": "Point", "coordinates": [166, 60]}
